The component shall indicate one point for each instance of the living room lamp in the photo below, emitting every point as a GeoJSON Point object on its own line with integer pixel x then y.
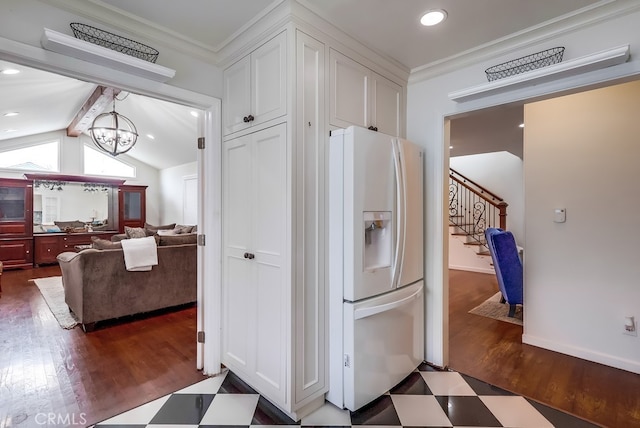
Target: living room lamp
{"type": "Point", "coordinates": [113, 133]}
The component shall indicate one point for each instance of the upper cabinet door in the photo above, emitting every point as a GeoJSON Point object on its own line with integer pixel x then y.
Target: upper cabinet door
{"type": "Point", "coordinates": [386, 105]}
{"type": "Point", "coordinates": [361, 97]}
{"type": "Point", "coordinates": [269, 80]}
{"type": "Point", "coordinates": [237, 95]}
{"type": "Point", "coordinates": [348, 98]}
{"type": "Point", "coordinates": [255, 88]}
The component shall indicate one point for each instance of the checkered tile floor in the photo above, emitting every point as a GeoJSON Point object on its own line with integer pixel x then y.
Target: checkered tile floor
{"type": "Point", "coordinates": [426, 398]}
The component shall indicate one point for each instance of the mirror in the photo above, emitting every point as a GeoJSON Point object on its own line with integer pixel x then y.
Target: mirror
{"type": "Point", "coordinates": [60, 204]}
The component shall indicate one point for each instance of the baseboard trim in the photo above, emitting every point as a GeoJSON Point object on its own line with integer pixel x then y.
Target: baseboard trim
{"type": "Point", "coordinates": [473, 269]}
{"type": "Point", "coordinates": [585, 354]}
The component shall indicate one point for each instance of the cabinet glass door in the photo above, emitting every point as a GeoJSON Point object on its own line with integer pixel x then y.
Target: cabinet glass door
{"type": "Point", "coordinates": [132, 206]}
{"type": "Point", "coordinates": [12, 204]}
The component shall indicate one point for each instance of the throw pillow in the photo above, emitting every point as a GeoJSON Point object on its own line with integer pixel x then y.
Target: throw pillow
{"type": "Point", "coordinates": [135, 232]}
{"type": "Point", "coordinates": [186, 238]}
{"type": "Point", "coordinates": [156, 228]}
{"type": "Point", "coordinates": [103, 244]}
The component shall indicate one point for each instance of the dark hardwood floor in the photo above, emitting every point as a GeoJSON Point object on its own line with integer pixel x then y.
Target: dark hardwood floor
{"type": "Point", "coordinates": [85, 378]}
{"type": "Point", "coordinates": [492, 351]}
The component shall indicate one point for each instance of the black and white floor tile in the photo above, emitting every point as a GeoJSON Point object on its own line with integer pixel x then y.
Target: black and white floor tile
{"type": "Point", "coordinates": [426, 398]}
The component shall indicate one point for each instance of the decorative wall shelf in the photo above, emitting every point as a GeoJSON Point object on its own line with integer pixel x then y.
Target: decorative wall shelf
{"type": "Point", "coordinates": [569, 68]}
{"type": "Point", "coordinates": [68, 45]}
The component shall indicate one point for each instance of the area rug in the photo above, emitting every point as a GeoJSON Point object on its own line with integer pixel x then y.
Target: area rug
{"type": "Point", "coordinates": [492, 308]}
{"type": "Point", "coordinates": [53, 293]}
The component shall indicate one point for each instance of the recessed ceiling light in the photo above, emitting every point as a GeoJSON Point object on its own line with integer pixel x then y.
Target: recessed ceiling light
{"type": "Point", "coordinates": [433, 17]}
{"type": "Point", "coordinates": [194, 113]}
{"type": "Point", "coordinates": [10, 71]}
{"type": "Point", "coordinates": [151, 136]}
{"type": "Point", "coordinates": [11, 113]}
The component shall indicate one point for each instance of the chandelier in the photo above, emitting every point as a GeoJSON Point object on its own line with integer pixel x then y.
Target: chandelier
{"type": "Point", "coordinates": [113, 133]}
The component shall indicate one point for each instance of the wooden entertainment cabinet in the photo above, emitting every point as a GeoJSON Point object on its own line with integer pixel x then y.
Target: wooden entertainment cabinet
{"type": "Point", "coordinates": [20, 247]}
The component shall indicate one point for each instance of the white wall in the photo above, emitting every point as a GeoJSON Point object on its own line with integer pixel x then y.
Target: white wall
{"type": "Point", "coordinates": [427, 106]}
{"type": "Point", "coordinates": [172, 190]}
{"type": "Point", "coordinates": [71, 162]}
{"type": "Point", "coordinates": [500, 173]}
{"type": "Point", "coordinates": [581, 276]}
{"type": "Point", "coordinates": [24, 20]}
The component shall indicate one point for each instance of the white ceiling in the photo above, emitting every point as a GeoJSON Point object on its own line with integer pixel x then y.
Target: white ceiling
{"type": "Point", "coordinates": [390, 27]}
{"type": "Point", "coordinates": [48, 102]}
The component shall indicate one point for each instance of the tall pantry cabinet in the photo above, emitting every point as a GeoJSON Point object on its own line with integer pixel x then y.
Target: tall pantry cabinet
{"type": "Point", "coordinates": [281, 98]}
{"type": "Point", "coordinates": [273, 300]}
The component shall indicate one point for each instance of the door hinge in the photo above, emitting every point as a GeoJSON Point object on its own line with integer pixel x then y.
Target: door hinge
{"type": "Point", "coordinates": [201, 337]}
{"type": "Point", "coordinates": [201, 240]}
{"type": "Point", "coordinates": [201, 143]}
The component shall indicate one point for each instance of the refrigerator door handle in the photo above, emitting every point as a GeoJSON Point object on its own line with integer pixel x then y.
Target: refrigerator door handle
{"type": "Point", "coordinates": [397, 255]}
{"type": "Point", "coordinates": [373, 310]}
{"type": "Point", "coordinates": [402, 209]}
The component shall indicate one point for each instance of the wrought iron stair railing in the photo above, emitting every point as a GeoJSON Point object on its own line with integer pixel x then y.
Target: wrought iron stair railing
{"type": "Point", "coordinates": [472, 208]}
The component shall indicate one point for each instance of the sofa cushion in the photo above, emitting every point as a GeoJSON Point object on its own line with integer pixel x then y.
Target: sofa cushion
{"type": "Point", "coordinates": [185, 238]}
{"type": "Point", "coordinates": [103, 244]}
{"type": "Point", "coordinates": [72, 224]}
{"type": "Point", "coordinates": [135, 232]}
{"type": "Point", "coordinates": [180, 229]}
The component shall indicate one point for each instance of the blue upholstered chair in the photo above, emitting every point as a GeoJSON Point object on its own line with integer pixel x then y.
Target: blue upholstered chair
{"type": "Point", "coordinates": [507, 264]}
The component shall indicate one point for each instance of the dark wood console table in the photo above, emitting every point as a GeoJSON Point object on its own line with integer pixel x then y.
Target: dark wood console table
{"type": "Point", "coordinates": [49, 245]}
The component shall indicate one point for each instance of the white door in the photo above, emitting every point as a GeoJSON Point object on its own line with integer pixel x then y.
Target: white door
{"type": "Point", "coordinates": [349, 84]}
{"type": "Point", "coordinates": [190, 200]}
{"type": "Point", "coordinates": [412, 267]}
{"type": "Point", "coordinates": [386, 105]}
{"type": "Point", "coordinates": [237, 95]}
{"type": "Point", "coordinates": [268, 79]}
{"type": "Point", "coordinates": [383, 343]}
{"type": "Point", "coordinates": [255, 279]}
{"type": "Point", "coordinates": [369, 190]}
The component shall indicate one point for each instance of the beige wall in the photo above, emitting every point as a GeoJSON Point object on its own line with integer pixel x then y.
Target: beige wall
{"type": "Point", "coordinates": [582, 277]}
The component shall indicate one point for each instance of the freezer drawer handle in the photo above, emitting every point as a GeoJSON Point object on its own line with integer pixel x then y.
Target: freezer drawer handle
{"type": "Point", "coordinates": [367, 312]}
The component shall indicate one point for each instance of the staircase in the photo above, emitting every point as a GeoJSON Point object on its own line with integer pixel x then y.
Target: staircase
{"type": "Point", "coordinates": [473, 209]}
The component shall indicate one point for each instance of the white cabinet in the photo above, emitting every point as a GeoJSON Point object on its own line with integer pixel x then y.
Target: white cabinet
{"type": "Point", "coordinates": [255, 89]}
{"type": "Point", "coordinates": [359, 96]}
{"type": "Point", "coordinates": [257, 289]}
{"type": "Point", "coordinates": [311, 345]}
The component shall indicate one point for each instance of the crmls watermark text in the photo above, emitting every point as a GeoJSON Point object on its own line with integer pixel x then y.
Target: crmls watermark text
{"type": "Point", "coordinates": [61, 419]}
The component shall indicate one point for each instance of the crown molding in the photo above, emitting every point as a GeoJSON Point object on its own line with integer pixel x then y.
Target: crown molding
{"type": "Point", "coordinates": [582, 18]}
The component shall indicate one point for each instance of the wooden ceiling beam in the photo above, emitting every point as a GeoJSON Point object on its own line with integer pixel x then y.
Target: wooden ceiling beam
{"type": "Point", "coordinates": [95, 105]}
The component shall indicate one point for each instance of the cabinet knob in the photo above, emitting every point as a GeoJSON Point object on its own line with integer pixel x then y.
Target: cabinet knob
{"type": "Point", "coordinates": [249, 256]}
{"type": "Point", "coordinates": [48, 250]}
{"type": "Point", "coordinates": [245, 119]}
{"type": "Point", "coordinates": [250, 118]}
{"type": "Point", "coordinates": [373, 128]}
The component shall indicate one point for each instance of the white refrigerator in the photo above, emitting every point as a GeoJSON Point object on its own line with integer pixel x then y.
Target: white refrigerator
{"type": "Point", "coordinates": [376, 259]}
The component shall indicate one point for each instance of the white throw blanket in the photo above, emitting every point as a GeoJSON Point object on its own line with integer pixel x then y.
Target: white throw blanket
{"type": "Point", "coordinates": [140, 253]}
